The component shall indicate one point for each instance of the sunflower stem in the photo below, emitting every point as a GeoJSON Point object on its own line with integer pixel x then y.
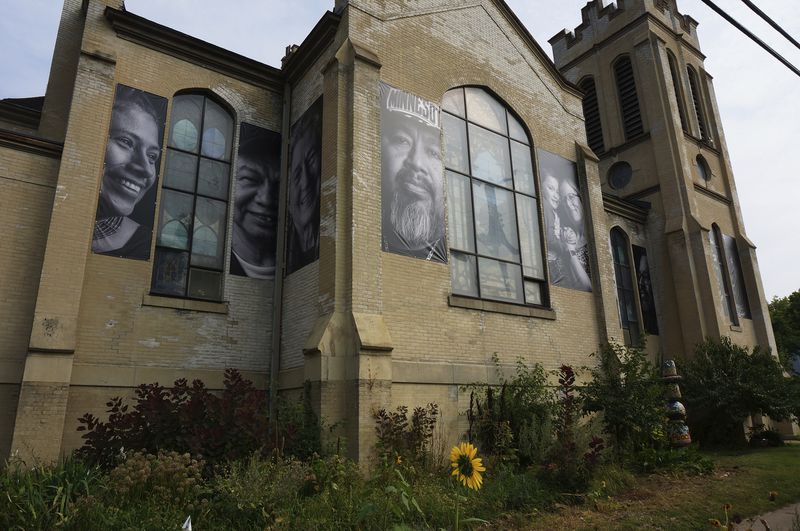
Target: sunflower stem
{"type": "Point", "coordinates": [457, 507]}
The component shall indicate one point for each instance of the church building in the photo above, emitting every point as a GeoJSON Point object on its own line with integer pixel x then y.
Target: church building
{"type": "Point", "coordinates": [414, 201]}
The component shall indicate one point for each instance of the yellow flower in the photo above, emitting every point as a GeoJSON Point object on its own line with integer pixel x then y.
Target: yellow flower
{"type": "Point", "coordinates": [467, 467]}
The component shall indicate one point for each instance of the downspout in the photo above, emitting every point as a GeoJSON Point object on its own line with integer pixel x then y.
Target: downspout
{"type": "Point", "coordinates": [280, 262]}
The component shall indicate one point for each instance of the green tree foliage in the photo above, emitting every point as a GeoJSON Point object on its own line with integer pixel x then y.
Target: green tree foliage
{"type": "Point", "coordinates": [724, 383]}
{"type": "Point", "coordinates": [785, 315]}
{"type": "Point", "coordinates": [626, 388]}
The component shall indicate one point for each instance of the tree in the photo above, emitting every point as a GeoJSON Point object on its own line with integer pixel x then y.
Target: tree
{"type": "Point", "coordinates": [785, 315]}
{"type": "Point", "coordinates": [725, 383]}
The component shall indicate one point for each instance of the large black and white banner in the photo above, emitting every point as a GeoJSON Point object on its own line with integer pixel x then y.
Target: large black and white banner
{"type": "Point", "coordinates": [304, 188]}
{"type": "Point", "coordinates": [412, 176]}
{"type": "Point", "coordinates": [567, 238]}
{"type": "Point", "coordinates": [255, 204]}
{"type": "Point", "coordinates": [645, 285]}
{"type": "Point", "coordinates": [124, 220]}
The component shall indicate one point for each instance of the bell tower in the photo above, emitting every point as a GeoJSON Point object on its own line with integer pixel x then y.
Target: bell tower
{"type": "Point", "coordinates": [652, 119]}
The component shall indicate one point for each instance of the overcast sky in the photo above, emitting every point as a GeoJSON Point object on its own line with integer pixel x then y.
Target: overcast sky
{"type": "Point", "coordinates": [759, 98]}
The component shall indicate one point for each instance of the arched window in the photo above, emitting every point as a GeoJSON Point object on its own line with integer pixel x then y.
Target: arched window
{"type": "Point", "coordinates": [697, 100]}
{"type": "Point", "coordinates": [721, 269]}
{"type": "Point", "coordinates": [626, 295]}
{"type": "Point", "coordinates": [494, 228]}
{"type": "Point", "coordinates": [628, 98]}
{"type": "Point", "coordinates": [676, 84]}
{"type": "Point", "coordinates": [729, 275]}
{"type": "Point", "coordinates": [591, 113]}
{"type": "Point", "coordinates": [702, 168]}
{"type": "Point", "coordinates": [190, 242]}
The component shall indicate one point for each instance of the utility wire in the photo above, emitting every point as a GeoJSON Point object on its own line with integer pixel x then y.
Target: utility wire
{"type": "Point", "coordinates": [752, 36]}
{"type": "Point", "coordinates": [771, 22]}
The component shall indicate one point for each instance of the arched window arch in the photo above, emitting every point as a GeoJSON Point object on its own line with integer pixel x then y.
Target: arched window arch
{"type": "Point", "coordinates": [628, 98]}
{"type": "Point", "coordinates": [730, 279]}
{"type": "Point", "coordinates": [676, 84]}
{"type": "Point", "coordinates": [703, 169]}
{"type": "Point", "coordinates": [626, 293]}
{"type": "Point", "coordinates": [721, 269]}
{"type": "Point", "coordinates": [591, 113]}
{"type": "Point", "coordinates": [190, 242]}
{"type": "Point", "coordinates": [494, 224]}
{"type": "Point", "coordinates": [697, 100]}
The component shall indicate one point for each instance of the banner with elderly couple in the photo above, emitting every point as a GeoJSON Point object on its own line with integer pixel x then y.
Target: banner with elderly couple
{"type": "Point", "coordinates": [123, 224]}
{"type": "Point", "coordinates": [567, 237]}
{"type": "Point", "coordinates": [255, 204]}
{"type": "Point", "coordinates": [304, 188]}
{"type": "Point", "coordinates": [412, 176]}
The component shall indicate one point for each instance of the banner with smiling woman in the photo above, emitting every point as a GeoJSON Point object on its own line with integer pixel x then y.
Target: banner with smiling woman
{"type": "Point", "coordinates": [565, 225]}
{"type": "Point", "coordinates": [124, 220]}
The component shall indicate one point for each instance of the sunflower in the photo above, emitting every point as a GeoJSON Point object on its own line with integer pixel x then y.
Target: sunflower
{"type": "Point", "coordinates": [466, 467]}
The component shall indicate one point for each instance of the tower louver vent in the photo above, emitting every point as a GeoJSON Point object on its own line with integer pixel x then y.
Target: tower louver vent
{"type": "Point", "coordinates": [628, 99]}
{"type": "Point", "coordinates": [698, 108]}
{"type": "Point", "coordinates": [591, 113]}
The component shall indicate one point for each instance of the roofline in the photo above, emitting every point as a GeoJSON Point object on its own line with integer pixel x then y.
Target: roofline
{"type": "Point", "coordinates": [537, 49]}
{"type": "Point", "coordinates": [140, 30]}
{"type": "Point", "coordinates": [317, 40]}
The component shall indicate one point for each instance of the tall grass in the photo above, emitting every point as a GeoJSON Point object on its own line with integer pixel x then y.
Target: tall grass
{"type": "Point", "coordinates": [42, 496]}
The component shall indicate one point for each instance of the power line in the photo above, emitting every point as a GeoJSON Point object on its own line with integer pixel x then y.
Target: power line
{"type": "Point", "coordinates": [752, 36]}
{"type": "Point", "coordinates": [771, 22]}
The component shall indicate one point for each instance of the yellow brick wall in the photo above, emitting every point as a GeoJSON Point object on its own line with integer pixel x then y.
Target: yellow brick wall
{"type": "Point", "coordinates": [27, 186]}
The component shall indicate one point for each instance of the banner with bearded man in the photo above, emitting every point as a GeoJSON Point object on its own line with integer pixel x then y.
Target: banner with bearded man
{"type": "Point", "coordinates": [412, 176]}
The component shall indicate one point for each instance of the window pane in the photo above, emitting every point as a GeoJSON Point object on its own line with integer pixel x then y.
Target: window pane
{"type": "Point", "coordinates": [455, 143]}
{"type": "Point", "coordinates": [483, 109]}
{"type": "Point", "coordinates": [490, 157]}
{"type": "Point", "coordinates": [530, 243]}
{"type": "Point", "coordinates": [176, 219]}
{"type": "Point", "coordinates": [453, 101]}
{"type": "Point", "coordinates": [186, 113]}
{"type": "Point", "coordinates": [213, 179]}
{"type": "Point", "coordinates": [737, 278]}
{"type": "Point", "coordinates": [516, 131]}
{"type": "Point", "coordinates": [533, 292]}
{"type": "Point", "coordinates": [209, 227]}
{"type": "Point", "coordinates": [180, 171]}
{"type": "Point", "coordinates": [217, 132]}
{"type": "Point", "coordinates": [495, 222]}
{"type": "Point", "coordinates": [722, 286]}
{"type": "Point", "coordinates": [463, 274]}
{"type": "Point", "coordinates": [500, 280]}
{"type": "Point", "coordinates": [523, 168]}
{"type": "Point", "coordinates": [460, 213]}
{"type": "Point", "coordinates": [205, 284]}
{"type": "Point", "coordinates": [169, 272]}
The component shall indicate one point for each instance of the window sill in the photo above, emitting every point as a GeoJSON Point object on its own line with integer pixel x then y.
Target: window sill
{"type": "Point", "coordinates": [459, 301]}
{"type": "Point", "coordinates": [184, 304]}
{"type": "Point", "coordinates": [736, 328]}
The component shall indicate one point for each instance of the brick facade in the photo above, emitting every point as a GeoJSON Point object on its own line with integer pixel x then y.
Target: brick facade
{"type": "Point", "coordinates": [368, 329]}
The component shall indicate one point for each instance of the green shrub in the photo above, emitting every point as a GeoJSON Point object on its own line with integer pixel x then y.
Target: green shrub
{"type": "Point", "coordinates": [258, 492]}
{"type": "Point", "coordinates": [404, 438]}
{"type": "Point", "coordinates": [571, 461]}
{"type": "Point", "coordinates": [724, 383]}
{"type": "Point", "coordinates": [681, 460]}
{"type": "Point", "coordinates": [626, 388]}
{"type": "Point", "coordinates": [515, 422]}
